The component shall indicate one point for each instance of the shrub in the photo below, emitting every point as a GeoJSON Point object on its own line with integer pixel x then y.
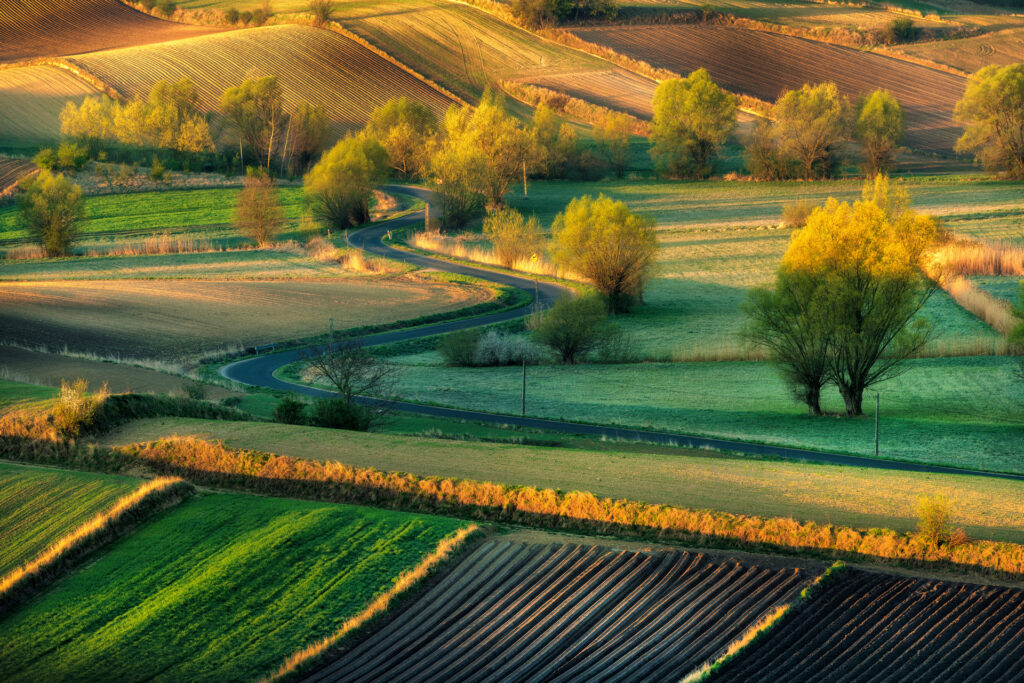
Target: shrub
{"type": "Point", "coordinates": [322, 11]}
{"type": "Point", "coordinates": [148, 5]}
{"type": "Point", "coordinates": [933, 519]}
{"type": "Point", "coordinates": [46, 159]}
{"type": "Point", "coordinates": [231, 15]}
{"type": "Point", "coordinates": [245, 17]}
{"type": "Point", "coordinates": [195, 390]}
{"type": "Point", "coordinates": [495, 349]}
{"type": "Point", "coordinates": [514, 238]}
{"type": "Point", "coordinates": [290, 411]}
{"type": "Point", "coordinates": [258, 213]}
{"type": "Point", "coordinates": [71, 156]}
{"type": "Point", "coordinates": [617, 346]}
{"type": "Point", "coordinates": [157, 171]}
{"type": "Point", "coordinates": [166, 8]}
{"type": "Point", "coordinates": [572, 327]}
{"type": "Point", "coordinates": [259, 17]}
{"type": "Point", "coordinates": [900, 30]}
{"type": "Point", "coordinates": [459, 348]}
{"type": "Point", "coordinates": [795, 214]}
{"type": "Point", "coordinates": [231, 401]}
{"type": "Point", "coordinates": [337, 413]}
{"type": "Point", "coordinates": [75, 409]}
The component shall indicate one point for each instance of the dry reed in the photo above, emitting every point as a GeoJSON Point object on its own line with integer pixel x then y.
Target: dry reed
{"type": "Point", "coordinates": [456, 247]}
{"type": "Point", "coordinates": [407, 580]}
{"type": "Point", "coordinates": [971, 257]}
{"type": "Point", "coordinates": [993, 311]}
{"type": "Point", "coordinates": [125, 514]}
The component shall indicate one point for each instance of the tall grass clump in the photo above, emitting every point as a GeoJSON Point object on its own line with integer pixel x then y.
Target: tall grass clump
{"type": "Point", "coordinates": [971, 257]}
{"type": "Point", "coordinates": [126, 513]}
{"type": "Point", "coordinates": [76, 409]}
{"type": "Point", "coordinates": [995, 312]}
{"type": "Point", "coordinates": [306, 657]}
{"type": "Point", "coordinates": [456, 247]}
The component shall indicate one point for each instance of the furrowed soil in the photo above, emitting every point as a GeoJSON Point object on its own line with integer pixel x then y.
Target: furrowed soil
{"type": "Point", "coordinates": [878, 627]}
{"type": "Point", "coordinates": [513, 612]}
{"type": "Point", "coordinates": [765, 64]}
{"type": "Point", "coordinates": [12, 170]}
{"type": "Point", "coordinates": [31, 99]}
{"type": "Point", "coordinates": [30, 29]}
{"type": "Point", "coordinates": [167, 319]}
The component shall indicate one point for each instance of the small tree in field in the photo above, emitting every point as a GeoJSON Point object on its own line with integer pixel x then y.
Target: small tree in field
{"type": "Point", "coordinates": [338, 188]}
{"type": "Point", "coordinates": [51, 209]}
{"type": "Point", "coordinates": [322, 12]}
{"type": "Point", "coordinates": [606, 243]}
{"type": "Point", "coordinates": [572, 327]}
{"type": "Point", "coordinates": [514, 238]}
{"type": "Point", "coordinates": [76, 409]}
{"type": "Point", "coordinates": [612, 136]}
{"type": "Point", "coordinates": [258, 214]}
{"type": "Point", "coordinates": [352, 370]}
{"type": "Point", "coordinates": [992, 111]}
{"type": "Point", "coordinates": [933, 514]}
{"type": "Point", "coordinates": [693, 118]}
{"type": "Point", "coordinates": [879, 128]}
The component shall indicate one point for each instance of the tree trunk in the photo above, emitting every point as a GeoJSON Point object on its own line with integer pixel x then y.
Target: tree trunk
{"type": "Point", "coordinates": [853, 397]}
{"type": "Point", "coordinates": [813, 400]}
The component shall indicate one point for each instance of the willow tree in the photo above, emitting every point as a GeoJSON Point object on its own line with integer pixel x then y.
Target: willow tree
{"type": "Point", "coordinates": [693, 118]}
{"type": "Point", "coordinates": [992, 111]}
{"type": "Point", "coordinates": [879, 128]}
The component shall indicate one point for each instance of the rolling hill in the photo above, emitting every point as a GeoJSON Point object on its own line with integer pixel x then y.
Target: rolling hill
{"type": "Point", "coordinates": [31, 99]}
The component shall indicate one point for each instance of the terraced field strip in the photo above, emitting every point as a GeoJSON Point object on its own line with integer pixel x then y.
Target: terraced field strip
{"type": "Point", "coordinates": [513, 612]}
{"type": "Point", "coordinates": [31, 99]}
{"type": "Point", "coordinates": [320, 67]}
{"type": "Point", "coordinates": [765, 64]}
{"type": "Point", "coordinates": [618, 89]}
{"type": "Point", "coordinates": [30, 28]}
{"type": "Point", "coordinates": [878, 627]}
{"type": "Point", "coordinates": [970, 54]}
{"type": "Point", "coordinates": [12, 170]}
{"type": "Point", "coordinates": [38, 506]}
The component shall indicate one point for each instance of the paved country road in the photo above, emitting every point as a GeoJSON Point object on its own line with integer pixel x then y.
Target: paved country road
{"type": "Point", "coordinates": [259, 371]}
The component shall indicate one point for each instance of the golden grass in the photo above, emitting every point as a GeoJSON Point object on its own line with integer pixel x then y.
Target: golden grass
{"type": "Point", "coordinates": [993, 311]}
{"type": "Point", "coordinates": [104, 527]}
{"type": "Point", "coordinates": [972, 257]}
{"type": "Point", "coordinates": [407, 580]}
{"type": "Point", "coordinates": [456, 246]}
{"type": "Point", "coordinates": [703, 672]}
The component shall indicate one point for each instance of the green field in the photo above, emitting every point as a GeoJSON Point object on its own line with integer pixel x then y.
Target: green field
{"type": "Point", "coordinates": [38, 506]}
{"type": "Point", "coordinates": [224, 585]}
{"type": "Point", "coordinates": [15, 395]}
{"type": "Point", "coordinates": [965, 412]}
{"type": "Point", "coordinates": [1006, 287]}
{"type": "Point", "coordinates": [198, 212]}
{"type": "Point", "coordinates": [865, 498]}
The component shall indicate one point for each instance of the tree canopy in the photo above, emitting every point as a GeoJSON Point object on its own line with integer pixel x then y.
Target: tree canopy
{"type": "Point", "coordinates": [408, 131]}
{"type": "Point", "coordinates": [693, 118]}
{"type": "Point", "coordinates": [338, 188]}
{"type": "Point", "coordinates": [992, 111]}
{"type": "Point", "coordinates": [879, 128]}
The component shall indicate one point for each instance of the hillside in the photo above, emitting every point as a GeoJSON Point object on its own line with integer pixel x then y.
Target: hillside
{"type": "Point", "coordinates": [312, 65]}
{"type": "Point", "coordinates": [31, 99]}
{"type": "Point", "coordinates": [30, 29]}
{"type": "Point", "coordinates": [765, 64]}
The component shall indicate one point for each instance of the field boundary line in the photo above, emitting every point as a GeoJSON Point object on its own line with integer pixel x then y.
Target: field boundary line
{"type": "Point", "coordinates": [127, 513]}
{"type": "Point", "coordinates": [75, 69]}
{"type": "Point", "coordinates": [308, 656]}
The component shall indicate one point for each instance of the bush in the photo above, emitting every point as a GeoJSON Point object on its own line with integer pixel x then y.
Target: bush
{"type": "Point", "coordinates": [245, 17]}
{"type": "Point", "coordinates": [231, 401]}
{"type": "Point", "coordinates": [166, 8]}
{"type": "Point", "coordinates": [794, 214]}
{"type": "Point", "coordinates": [76, 410]}
{"type": "Point", "coordinates": [933, 519]}
{"type": "Point", "coordinates": [71, 157]}
{"type": "Point", "coordinates": [259, 17]}
{"type": "Point", "coordinates": [195, 390]}
{"type": "Point", "coordinates": [258, 213]}
{"type": "Point", "coordinates": [901, 30]}
{"type": "Point", "coordinates": [495, 349]}
{"type": "Point", "coordinates": [148, 5]}
{"type": "Point", "coordinates": [46, 159]}
{"type": "Point", "coordinates": [617, 346]}
{"type": "Point", "coordinates": [459, 348]}
{"type": "Point", "coordinates": [290, 411]}
{"type": "Point", "coordinates": [322, 11]}
{"type": "Point", "coordinates": [336, 413]}
{"type": "Point", "coordinates": [572, 327]}
{"type": "Point", "coordinates": [231, 15]}
{"type": "Point", "coordinates": [157, 171]}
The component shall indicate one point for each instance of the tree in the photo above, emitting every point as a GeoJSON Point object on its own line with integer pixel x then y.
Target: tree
{"type": "Point", "coordinates": [256, 109]}
{"type": "Point", "coordinates": [612, 135]}
{"type": "Point", "coordinates": [789, 321]}
{"type": "Point", "coordinates": [555, 144]}
{"type": "Point", "coordinates": [572, 327]}
{"type": "Point", "coordinates": [879, 128]}
{"type": "Point", "coordinates": [606, 243]}
{"type": "Point", "coordinates": [503, 143]}
{"type": "Point", "coordinates": [308, 130]}
{"type": "Point", "coordinates": [408, 131]}
{"type": "Point", "coordinates": [865, 260]}
{"type": "Point", "coordinates": [514, 237]}
{"type": "Point", "coordinates": [457, 170]}
{"type": "Point", "coordinates": [339, 187]}
{"type": "Point", "coordinates": [992, 111]}
{"type": "Point", "coordinates": [693, 118]}
{"type": "Point", "coordinates": [258, 214]}
{"type": "Point", "coordinates": [353, 370]}
{"type": "Point", "coordinates": [804, 138]}
{"type": "Point", "coordinates": [51, 208]}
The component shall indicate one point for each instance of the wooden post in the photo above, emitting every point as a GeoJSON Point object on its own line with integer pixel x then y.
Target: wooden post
{"type": "Point", "coordinates": [524, 177]}
{"type": "Point", "coordinates": [524, 385]}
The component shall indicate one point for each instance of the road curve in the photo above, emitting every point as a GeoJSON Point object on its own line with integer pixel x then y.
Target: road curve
{"type": "Point", "coordinates": [259, 371]}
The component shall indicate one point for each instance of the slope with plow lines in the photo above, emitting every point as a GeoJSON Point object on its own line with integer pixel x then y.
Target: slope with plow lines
{"type": "Point", "coordinates": [13, 170]}
{"type": "Point", "coordinates": [879, 627]}
{"type": "Point", "coordinates": [30, 28]}
{"type": "Point", "coordinates": [320, 67]}
{"type": "Point", "coordinates": [514, 612]}
{"type": "Point", "coordinates": [31, 99]}
{"type": "Point", "coordinates": [763, 65]}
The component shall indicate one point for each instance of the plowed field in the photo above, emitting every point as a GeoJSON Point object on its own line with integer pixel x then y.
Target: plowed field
{"type": "Point", "coordinates": [876, 627]}
{"type": "Point", "coordinates": [971, 54]}
{"type": "Point", "coordinates": [11, 170]}
{"type": "Point", "coordinates": [765, 64]}
{"type": "Point", "coordinates": [30, 28]}
{"type": "Point", "coordinates": [31, 99]}
{"type": "Point", "coordinates": [314, 66]}
{"type": "Point", "coordinates": [512, 612]}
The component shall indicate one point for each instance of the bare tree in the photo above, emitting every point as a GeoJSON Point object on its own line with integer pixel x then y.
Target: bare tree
{"type": "Point", "coordinates": [322, 11]}
{"type": "Point", "coordinates": [353, 370]}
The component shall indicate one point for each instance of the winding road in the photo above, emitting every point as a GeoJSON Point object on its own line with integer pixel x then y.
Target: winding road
{"type": "Point", "coordinates": [259, 371]}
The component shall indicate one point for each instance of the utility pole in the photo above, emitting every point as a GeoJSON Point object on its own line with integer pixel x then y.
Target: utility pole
{"type": "Point", "coordinates": [524, 385]}
{"type": "Point", "coordinates": [876, 424]}
{"type": "Point", "coordinates": [426, 217]}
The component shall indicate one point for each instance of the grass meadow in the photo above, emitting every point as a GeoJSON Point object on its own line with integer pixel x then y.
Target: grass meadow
{"type": "Point", "coordinates": [963, 412]}
{"type": "Point", "coordinates": [38, 506]}
{"type": "Point", "coordinates": [858, 497]}
{"type": "Point", "coordinates": [16, 396]}
{"type": "Point", "coordinates": [253, 578]}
